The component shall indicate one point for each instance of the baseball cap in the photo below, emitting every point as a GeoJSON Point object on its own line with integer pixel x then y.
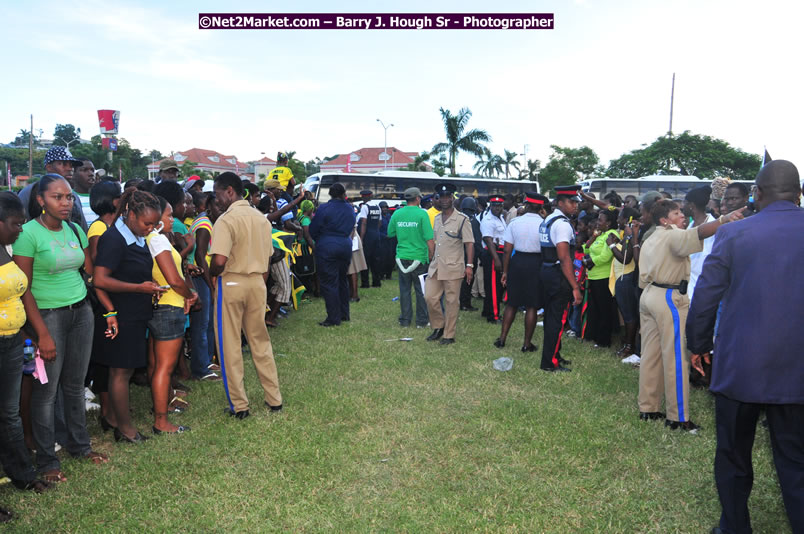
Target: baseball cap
{"type": "Point", "coordinates": [273, 183]}
{"type": "Point", "coordinates": [60, 153]}
{"type": "Point", "coordinates": [412, 192]}
{"type": "Point", "coordinates": [166, 164]}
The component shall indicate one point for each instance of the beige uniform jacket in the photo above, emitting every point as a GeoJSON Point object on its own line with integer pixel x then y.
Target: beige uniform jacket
{"type": "Point", "coordinates": [450, 236]}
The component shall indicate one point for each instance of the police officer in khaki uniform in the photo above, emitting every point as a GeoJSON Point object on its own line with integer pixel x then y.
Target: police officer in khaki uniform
{"type": "Point", "coordinates": [664, 272]}
{"type": "Point", "coordinates": [241, 255]}
{"type": "Point", "coordinates": [454, 242]}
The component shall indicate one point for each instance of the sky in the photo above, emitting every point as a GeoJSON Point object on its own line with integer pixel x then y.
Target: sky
{"type": "Point", "coordinates": [601, 78]}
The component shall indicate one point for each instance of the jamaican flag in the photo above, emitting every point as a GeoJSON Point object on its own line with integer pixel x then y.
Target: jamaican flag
{"type": "Point", "coordinates": [297, 289]}
{"type": "Point", "coordinates": [284, 241]}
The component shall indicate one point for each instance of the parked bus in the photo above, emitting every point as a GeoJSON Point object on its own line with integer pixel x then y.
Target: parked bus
{"type": "Point", "coordinates": [391, 185]}
{"type": "Point", "coordinates": [677, 186]}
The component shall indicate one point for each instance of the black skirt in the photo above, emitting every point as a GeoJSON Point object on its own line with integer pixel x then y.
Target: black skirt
{"type": "Point", "coordinates": [129, 350]}
{"type": "Point", "coordinates": [524, 284]}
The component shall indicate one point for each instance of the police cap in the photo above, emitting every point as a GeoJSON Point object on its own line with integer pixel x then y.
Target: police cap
{"type": "Point", "coordinates": [365, 193]}
{"type": "Point", "coordinates": [535, 198]}
{"type": "Point", "coordinates": [571, 191]}
{"type": "Point", "coordinates": [445, 189]}
{"type": "Point", "coordinates": [496, 199]}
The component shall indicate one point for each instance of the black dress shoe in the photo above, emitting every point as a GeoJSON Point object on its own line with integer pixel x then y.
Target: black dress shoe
{"type": "Point", "coordinates": [499, 343]}
{"type": "Point", "coordinates": [119, 436]}
{"type": "Point", "coordinates": [468, 308]}
{"type": "Point", "coordinates": [447, 341]}
{"type": "Point", "coordinates": [558, 369]}
{"type": "Point", "coordinates": [327, 323]}
{"type": "Point", "coordinates": [533, 348]}
{"type": "Point", "coordinates": [105, 425]}
{"type": "Point", "coordinates": [273, 408]}
{"type": "Point", "coordinates": [437, 333]}
{"type": "Point", "coordinates": [686, 426]}
{"type": "Point", "coordinates": [562, 361]}
{"type": "Point", "coordinates": [238, 415]}
{"type": "Point", "coordinates": [650, 416]}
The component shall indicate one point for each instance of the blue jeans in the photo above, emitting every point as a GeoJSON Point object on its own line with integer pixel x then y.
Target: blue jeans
{"type": "Point", "coordinates": [199, 327]}
{"type": "Point", "coordinates": [72, 332]}
{"type": "Point", "coordinates": [405, 303]}
{"type": "Point", "coordinates": [14, 454]}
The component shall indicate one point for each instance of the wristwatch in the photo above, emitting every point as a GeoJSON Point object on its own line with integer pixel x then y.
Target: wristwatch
{"type": "Point", "coordinates": [470, 265]}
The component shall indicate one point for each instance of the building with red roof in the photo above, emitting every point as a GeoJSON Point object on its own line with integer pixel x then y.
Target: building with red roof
{"type": "Point", "coordinates": [371, 160]}
{"type": "Point", "coordinates": [210, 161]}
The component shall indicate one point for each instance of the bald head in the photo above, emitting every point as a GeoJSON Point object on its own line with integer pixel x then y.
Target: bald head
{"type": "Point", "coordinates": [778, 180]}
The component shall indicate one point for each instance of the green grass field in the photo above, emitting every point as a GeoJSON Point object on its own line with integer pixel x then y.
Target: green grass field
{"type": "Point", "coordinates": [381, 436]}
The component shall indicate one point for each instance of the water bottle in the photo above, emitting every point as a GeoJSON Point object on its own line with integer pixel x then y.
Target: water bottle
{"type": "Point", "coordinates": [28, 364]}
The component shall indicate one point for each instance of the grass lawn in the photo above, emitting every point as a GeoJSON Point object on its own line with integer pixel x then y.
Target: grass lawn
{"type": "Point", "coordinates": [381, 436]}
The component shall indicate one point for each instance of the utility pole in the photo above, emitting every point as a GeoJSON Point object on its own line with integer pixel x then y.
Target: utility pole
{"type": "Point", "coordinates": [672, 95]}
{"type": "Point", "coordinates": [30, 151]}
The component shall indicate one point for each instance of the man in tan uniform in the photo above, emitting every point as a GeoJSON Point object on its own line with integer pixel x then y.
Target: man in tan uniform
{"type": "Point", "coordinates": [453, 237]}
{"type": "Point", "coordinates": [241, 254]}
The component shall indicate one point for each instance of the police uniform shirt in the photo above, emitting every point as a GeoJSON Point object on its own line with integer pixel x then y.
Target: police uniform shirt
{"type": "Point", "coordinates": [560, 231]}
{"type": "Point", "coordinates": [450, 236]}
{"type": "Point", "coordinates": [243, 235]}
{"type": "Point", "coordinates": [493, 227]}
{"type": "Point", "coordinates": [664, 258]}
{"type": "Point", "coordinates": [523, 233]}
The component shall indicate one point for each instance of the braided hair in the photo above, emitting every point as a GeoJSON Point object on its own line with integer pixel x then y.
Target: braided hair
{"type": "Point", "coordinates": [137, 202]}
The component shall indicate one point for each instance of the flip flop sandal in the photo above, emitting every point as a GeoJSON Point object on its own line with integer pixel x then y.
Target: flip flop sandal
{"type": "Point", "coordinates": [96, 458]}
{"type": "Point", "coordinates": [53, 476]}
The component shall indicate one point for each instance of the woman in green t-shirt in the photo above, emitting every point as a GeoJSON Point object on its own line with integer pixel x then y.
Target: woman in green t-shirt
{"type": "Point", "coordinates": [602, 311]}
{"type": "Point", "coordinates": [51, 251]}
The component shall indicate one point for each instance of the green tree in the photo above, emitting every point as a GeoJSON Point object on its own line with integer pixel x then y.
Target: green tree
{"type": "Point", "coordinates": [531, 170]}
{"type": "Point", "coordinates": [23, 138]}
{"type": "Point", "coordinates": [458, 138]}
{"type": "Point", "coordinates": [298, 168]}
{"type": "Point", "coordinates": [419, 163]}
{"type": "Point", "coordinates": [567, 166]}
{"type": "Point", "coordinates": [507, 161]}
{"type": "Point", "coordinates": [313, 166]}
{"type": "Point", "coordinates": [687, 155]}
{"type": "Point", "coordinates": [489, 164]}
{"type": "Point", "coordinates": [65, 133]}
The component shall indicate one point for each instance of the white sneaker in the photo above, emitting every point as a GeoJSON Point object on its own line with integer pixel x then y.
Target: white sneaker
{"type": "Point", "coordinates": [92, 406]}
{"type": "Point", "coordinates": [88, 395]}
{"type": "Point", "coordinates": [632, 359]}
{"type": "Point", "coordinates": [57, 448]}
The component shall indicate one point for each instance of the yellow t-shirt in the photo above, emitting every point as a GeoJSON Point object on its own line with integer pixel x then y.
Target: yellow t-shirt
{"type": "Point", "coordinates": [170, 297]}
{"type": "Point", "coordinates": [98, 228]}
{"type": "Point", "coordinates": [13, 284]}
{"type": "Point", "coordinates": [432, 212]}
{"type": "Point", "coordinates": [283, 174]}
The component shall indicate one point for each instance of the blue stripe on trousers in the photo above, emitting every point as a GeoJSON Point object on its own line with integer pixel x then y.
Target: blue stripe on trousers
{"type": "Point", "coordinates": [219, 320]}
{"type": "Point", "coordinates": [677, 349]}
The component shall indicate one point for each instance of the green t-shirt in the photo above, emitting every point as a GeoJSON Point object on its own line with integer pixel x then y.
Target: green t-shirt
{"type": "Point", "coordinates": [181, 229]}
{"type": "Point", "coordinates": [411, 227]}
{"type": "Point", "coordinates": [57, 257]}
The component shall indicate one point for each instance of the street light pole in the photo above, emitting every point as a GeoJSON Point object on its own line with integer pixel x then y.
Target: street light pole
{"type": "Point", "coordinates": [67, 143]}
{"type": "Point", "coordinates": [385, 143]}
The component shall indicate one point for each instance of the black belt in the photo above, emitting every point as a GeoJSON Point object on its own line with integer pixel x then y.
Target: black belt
{"type": "Point", "coordinates": [681, 287]}
{"type": "Point", "coordinates": [73, 306]}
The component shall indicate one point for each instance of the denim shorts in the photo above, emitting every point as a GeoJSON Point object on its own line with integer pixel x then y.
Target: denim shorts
{"type": "Point", "coordinates": [167, 323]}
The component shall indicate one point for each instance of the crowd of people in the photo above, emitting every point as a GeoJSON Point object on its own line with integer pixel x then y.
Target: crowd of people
{"type": "Point", "coordinates": [114, 284]}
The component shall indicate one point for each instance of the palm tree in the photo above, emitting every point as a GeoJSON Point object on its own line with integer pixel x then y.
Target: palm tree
{"type": "Point", "coordinates": [531, 173]}
{"type": "Point", "coordinates": [509, 161]}
{"type": "Point", "coordinates": [458, 138]}
{"type": "Point", "coordinates": [419, 162]}
{"type": "Point", "coordinates": [488, 166]}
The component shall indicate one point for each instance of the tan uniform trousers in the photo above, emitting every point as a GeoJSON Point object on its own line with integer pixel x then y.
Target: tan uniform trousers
{"type": "Point", "coordinates": [664, 367]}
{"type": "Point", "coordinates": [240, 306]}
{"type": "Point", "coordinates": [451, 289]}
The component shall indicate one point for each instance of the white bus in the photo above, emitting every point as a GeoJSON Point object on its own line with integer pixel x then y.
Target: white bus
{"type": "Point", "coordinates": [677, 186]}
{"type": "Point", "coordinates": [391, 185]}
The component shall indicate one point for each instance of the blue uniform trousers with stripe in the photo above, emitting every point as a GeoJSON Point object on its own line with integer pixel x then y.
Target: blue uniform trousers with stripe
{"type": "Point", "coordinates": [664, 368]}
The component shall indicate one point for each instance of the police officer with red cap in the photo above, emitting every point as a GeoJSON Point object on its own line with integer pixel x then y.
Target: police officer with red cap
{"type": "Point", "coordinates": [557, 239]}
{"type": "Point", "coordinates": [522, 259]}
{"type": "Point", "coordinates": [492, 228]}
